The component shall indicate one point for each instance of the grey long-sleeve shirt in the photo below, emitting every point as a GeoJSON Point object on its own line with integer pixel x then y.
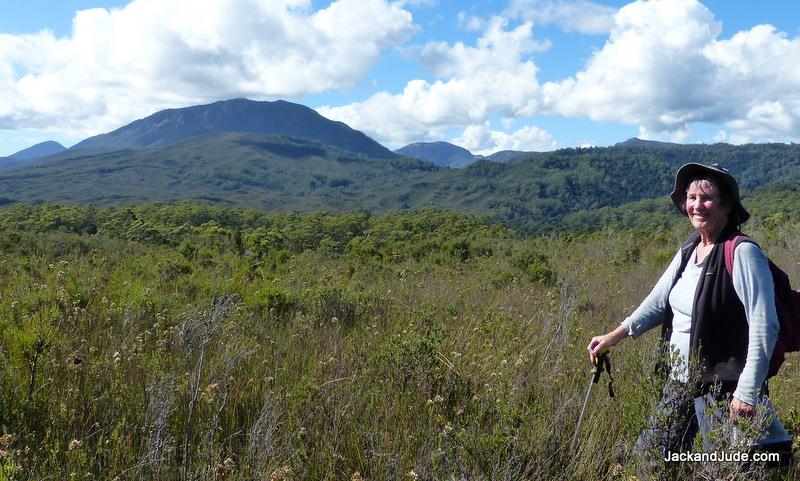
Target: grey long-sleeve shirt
{"type": "Point", "coordinates": [752, 281]}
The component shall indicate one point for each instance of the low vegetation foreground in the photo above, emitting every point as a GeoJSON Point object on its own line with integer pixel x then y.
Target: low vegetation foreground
{"type": "Point", "coordinates": [189, 342]}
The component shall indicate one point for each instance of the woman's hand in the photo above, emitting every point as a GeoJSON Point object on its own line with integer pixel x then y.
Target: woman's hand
{"type": "Point", "coordinates": [600, 344]}
{"type": "Point", "coordinates": [741, 408]}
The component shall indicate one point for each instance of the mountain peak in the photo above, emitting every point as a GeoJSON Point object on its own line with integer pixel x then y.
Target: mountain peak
{"type": "Point", "coordinates": [169, 126]}
{"type": "Point", "coordinates": [637, 142]}
{"type": "Point", "coordinates": [440, 153]}
{"type": "Point", "coordinates": [41, 149]}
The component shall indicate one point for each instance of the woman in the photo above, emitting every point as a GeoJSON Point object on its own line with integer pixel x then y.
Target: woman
{"type": "Point", "coordinates": [727, 324]}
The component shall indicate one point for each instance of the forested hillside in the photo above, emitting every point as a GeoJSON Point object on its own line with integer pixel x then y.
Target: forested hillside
{"type": "Point", "coordinates": [536, 194]}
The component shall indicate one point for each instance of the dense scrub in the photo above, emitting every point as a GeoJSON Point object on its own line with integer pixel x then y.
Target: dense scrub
{"type": "Point", "coordinates": [187, 342]}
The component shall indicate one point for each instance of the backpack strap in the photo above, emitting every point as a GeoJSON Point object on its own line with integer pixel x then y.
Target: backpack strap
{"type": "Point", "coordinates": [730, 246]}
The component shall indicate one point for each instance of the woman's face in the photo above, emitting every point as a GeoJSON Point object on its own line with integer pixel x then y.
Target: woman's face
{"type": "Point", "coordinates": [705, 207]}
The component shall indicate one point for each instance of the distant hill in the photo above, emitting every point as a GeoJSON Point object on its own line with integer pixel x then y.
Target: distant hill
{"type": "Point", "coordinates": [637, 142]}
{"type": "Point", "coordinates": [239, 115]}
{"type": "Point", "coordinates": [443, 154]}
{"type": "Point", "coordinates": [37, 151]}
{"type": "Point", "coordinates": [509, 156]}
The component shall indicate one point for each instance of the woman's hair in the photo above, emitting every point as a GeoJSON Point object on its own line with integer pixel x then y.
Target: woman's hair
{"type": "Point", "coordinates": [724, 192]}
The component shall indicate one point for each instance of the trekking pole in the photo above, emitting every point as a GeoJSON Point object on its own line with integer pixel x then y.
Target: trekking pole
{"type": "Point", "coordinates": [601, 364]}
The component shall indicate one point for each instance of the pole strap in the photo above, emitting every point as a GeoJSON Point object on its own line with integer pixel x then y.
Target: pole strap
{"type": "Point", "coordinates": [603, 364]}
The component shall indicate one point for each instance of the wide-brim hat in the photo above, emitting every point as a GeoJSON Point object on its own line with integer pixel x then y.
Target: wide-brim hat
{"type": "Point", "coordinates": [693, 171]}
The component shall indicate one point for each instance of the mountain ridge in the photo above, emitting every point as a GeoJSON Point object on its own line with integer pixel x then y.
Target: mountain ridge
{"type": "Point", "coordinates": [41, 149]}
{"type": "Point", "coordinates": [31, 154]}
{"type": "Point", "coordinates": [236, 115]}
{"type": "Point", "coordinates": [441, 153]}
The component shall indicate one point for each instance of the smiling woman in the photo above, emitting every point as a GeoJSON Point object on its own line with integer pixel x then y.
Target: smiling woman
{"type": "Point", "coordinates": [706, 208]}
{"type": "Point", "coordinates": [722, 324]}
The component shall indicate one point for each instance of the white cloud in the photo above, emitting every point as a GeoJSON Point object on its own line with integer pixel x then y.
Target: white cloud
{"type": "Point", "coordinates": [572, 15]}
{"type": "Point", "coordinates": [651, 71]}
{"type": "Point", "coordinates": [470, 22]}
{"type": "Point", "coordinates": [758, 84]}
{"type": "Point", "coordinates": [664, 68]}
{"type": "Point", "coordinates": [494, 77]}
{"type": "Point", "coordinates": [496, 49]}
{"type": "Point", "coordinates": [481, 139]}
{"type": "Point", "coordinates": [121, 64]}
{"type": "Point", "coordinates": [416, 3]}
{"type": "Point", "coordinates": [767, 121]}
{"type": "Point", "coordinates": [675, 135]}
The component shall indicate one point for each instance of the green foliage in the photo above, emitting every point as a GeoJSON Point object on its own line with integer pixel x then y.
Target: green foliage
{"type": "Point", "coordinates": [275, 301]}
{"type": "Point", "coordinates": [534, 264]}
{"type": "Point", "coordinates": [337, 304]}
{"type": "Point", "coordinates": [160, 347]}
{"type": "Point", "coordinates": [663, 257]}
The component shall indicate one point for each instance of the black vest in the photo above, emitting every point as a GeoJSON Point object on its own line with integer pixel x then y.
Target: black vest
{"type": "Point", "coordinates": [719, 331]}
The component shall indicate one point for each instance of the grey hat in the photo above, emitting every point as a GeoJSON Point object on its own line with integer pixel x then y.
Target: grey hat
{"type": "Point", "coordinates": [693, 171]}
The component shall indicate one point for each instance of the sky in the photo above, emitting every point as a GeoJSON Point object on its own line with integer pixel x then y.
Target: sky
{"type": "Point", "coordinates": [486, 75]}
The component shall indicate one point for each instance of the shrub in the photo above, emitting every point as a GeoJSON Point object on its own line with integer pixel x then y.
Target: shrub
{"type": "Point", "coordinates": [535, 265]}
{"type": "Point", "coordinates": [275, 301]}
{"type": "Point", "coordinates": [343, 305]}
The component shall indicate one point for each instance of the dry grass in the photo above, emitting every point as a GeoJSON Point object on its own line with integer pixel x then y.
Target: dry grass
{"type": "Point", "coordinates": [326, 367]}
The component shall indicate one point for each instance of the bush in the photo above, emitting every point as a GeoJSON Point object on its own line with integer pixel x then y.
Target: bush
{"type": "Point", "coordinates": [535, 265]}
{"type": "Point", "coordinates": [275, 301]}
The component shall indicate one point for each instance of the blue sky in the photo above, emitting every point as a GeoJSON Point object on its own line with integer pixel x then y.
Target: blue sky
{"type": "Point", "coordinates": [490, 75]}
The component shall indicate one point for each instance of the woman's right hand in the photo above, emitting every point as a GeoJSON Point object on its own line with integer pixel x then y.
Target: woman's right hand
{"type": "Point", "coordinates": [600, 344]}
{"type": "Point", "coordinates": [597, 346]}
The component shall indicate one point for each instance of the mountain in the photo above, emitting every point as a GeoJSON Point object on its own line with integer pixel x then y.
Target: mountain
{"type": "Point", "coordinates": [39, 150]}
{"type": "Point", "coordinates": [35, 152]}
{"type": "Point", "coordinates": [443, 154]}
{"type": "Point", "coordinates": [239, 115]}
{"type": "Point", "coordinates": [509, 156]}
{"type": "Point", "coordinates": [637, 142]}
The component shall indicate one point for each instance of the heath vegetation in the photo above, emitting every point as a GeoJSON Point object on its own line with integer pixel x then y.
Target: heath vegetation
{"type": "Point", "coordinates": [187, 342]}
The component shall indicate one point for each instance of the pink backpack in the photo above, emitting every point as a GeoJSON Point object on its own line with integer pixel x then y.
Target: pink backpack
{"type": "Point", "coordinates": [787, 305]}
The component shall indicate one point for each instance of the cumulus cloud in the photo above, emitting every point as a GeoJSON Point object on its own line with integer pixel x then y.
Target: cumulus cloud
{"type": "Point", "coordinates": [121, 64]}
{"type": "Point", "coordinates": [493, 77]}
{"type": "Point", "coordinates": [470, 22]}
{"type": "Point", "coordinates": [572, 15]}
{"type": "Point", "coordinates": [651, 72]}
{"type": "Point", "coordinates": [664, 68]}
{"type": "Point", "coordinates": [758, 84]}
{"type": "Point", "coordinates": [481, 139]}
